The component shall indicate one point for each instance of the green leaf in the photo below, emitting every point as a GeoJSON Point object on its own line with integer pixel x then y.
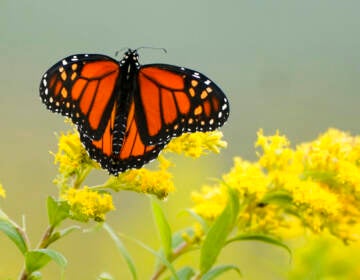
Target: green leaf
{"type": "Point", "coordinates": [163, 228]}
{"type": "Point", "coordinates": [122, 250]}
{"type": "Point", "coordinates": [3, 216]}
{"type": "Point", "coordinates": [216, 271]}
{"type": "Point", "coordinates": [13, 233]}
{"type": "Point", "coordinates": [198, 218]}
{"type": "Point", "coordinates": [59, 234]}
{"type": "Point", "coordinates": [215, 239]}
{"type": "Point", "coordinates": [36, 259]}
{"type": "Point", "coordinates": [260, 237]}
{"type": "Point", "coordinates": [185, 273]}
{"type": "Point", "coordinates": [68, 230]}
{"type": "Point", "coordinates": [279, 197]}
{"type": "Point", "coordinates": [157, 254]}
{"type": "Point", "coordinates": [57, 211]}
{"type": "Point", "coordinates": [35, 275]}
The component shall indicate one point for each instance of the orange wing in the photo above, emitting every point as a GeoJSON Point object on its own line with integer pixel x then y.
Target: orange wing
{"type": "Point", "coordinates": [172, 100]}
{"type": "Point", "coordinates": [82, 87]}
{"type": "Point", "coordinates": [118, 152]}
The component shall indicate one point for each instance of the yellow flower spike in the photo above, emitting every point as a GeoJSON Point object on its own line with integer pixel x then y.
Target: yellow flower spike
{"type": "Point", "coordinates": [86, 204]}
{"type": "Point", "coordinates": [334, 158]}
{"type": "Point", "coordinates": [158, 182]}
{"type": "Point", "coordinates": [197, 144]}
{"type": "Point", "coordinates": [349, 174]}
{"type": "Point", "coordinates": [210, 201]}
{"type": "Point", "coordinates": [276, 152]}
{"type": "Point", "coordinates": [317, 197]}
{"type": "Point", "coordinates": [71, 155]}
{"type": "Point", "coordinates": [73, 161]}
{"type": "Point", "coordinates": [198, 232]}
{"type": "Point", "coordinates": [2, 191]}
{"type": "Point", "coordinates": [318, 182]}
{"type": "Point", "coordinates": [196, 237]}
{"type": "Point", "coordinates": [164, 163]}
{"type": "Point", "coordinates": [247, 178]}
{"type": "Point", "coordinates": [329, 149]}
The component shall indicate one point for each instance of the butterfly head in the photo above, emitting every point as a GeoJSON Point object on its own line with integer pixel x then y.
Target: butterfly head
{"type": "Point", "coordinates": [130, 57]}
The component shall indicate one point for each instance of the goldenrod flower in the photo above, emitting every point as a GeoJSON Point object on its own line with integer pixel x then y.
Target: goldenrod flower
{"type": "Point", "coordinates": [72, 158]}
{"type": "Point", "coordinates": [2, 191]}
{"type": "Point", "coordinates": [86, 204]}
{"type": "Point", "coordinates": [316, 185]}
{"type": "Point", "coordinates": [195, 236]}
{"type": "Point", "coordinates": [157, 182]}
{"type": "Point", "coordinates": [197, 144]}
{"type": "Point", "coordinates": [210, 201]}
{"type": "Point", "coordinates": [276, 152]}
{"type": "Point", "coordinates": [247, 178]}
{"type": "Point", "coordinates": [316, 196]}
{"type": "Point", "coordinates": [349, 175]}
{"type": "Point", "coordinates": [71, 154]}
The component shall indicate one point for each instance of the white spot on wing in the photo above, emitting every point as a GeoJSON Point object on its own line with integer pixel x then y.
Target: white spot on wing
{"type": "Point", "coordinates": [44, 82]}
{"type": "Point", "coordinates": [224, 107]}
{"type": "Point", "coordinates": [196, 75]}
{"type": "Point", "coordinates": [64, 62]}
{"type": "Point", "coordinates": [207, 82]}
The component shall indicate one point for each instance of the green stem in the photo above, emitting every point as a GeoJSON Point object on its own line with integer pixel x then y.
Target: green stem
{"type": "Point", "coordinates": [43, 243]}
{"type": "Point", "coordinates": [178, 251]}
{"type": "Point", "coordinates": [82, 176]}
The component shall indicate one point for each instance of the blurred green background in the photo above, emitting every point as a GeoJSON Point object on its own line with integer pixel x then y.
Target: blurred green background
{"type": "Point", "coordinates": [287, 65]}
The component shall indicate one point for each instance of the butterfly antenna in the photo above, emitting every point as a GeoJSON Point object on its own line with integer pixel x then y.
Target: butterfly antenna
{"type": "Point", "coordinates": [121, 50]}
{"type": "Point", "coordinates": [152, 48]}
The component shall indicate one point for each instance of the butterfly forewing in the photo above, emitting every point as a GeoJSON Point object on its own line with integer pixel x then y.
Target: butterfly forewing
{"type": "Point", "coordinates": [172, 100]}
{"type": "Point", "coordinates": [82, 88]}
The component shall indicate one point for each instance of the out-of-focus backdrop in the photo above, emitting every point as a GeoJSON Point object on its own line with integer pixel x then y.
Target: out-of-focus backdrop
{"type": "Point", "coordinates": [287, 65]}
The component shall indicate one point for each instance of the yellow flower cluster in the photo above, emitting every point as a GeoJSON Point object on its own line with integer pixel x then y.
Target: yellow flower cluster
{"type": "Point", "coordinates": [93, 203]}
{"type": "Point", "coordinates": [276, 153]}
{"type": "Point", "coordinates": [71, 155]}
{"type": "Point", "coordinates": [247, 178]}
{"type": "Point", "coordinates": [2, 191]}
{"type": "Point", "coordinates": [210, 201]}
{"type": "Point", "coordinates": [317, 184]}
{"type": "Point", "coordinates": [157, 182]}
{"type": "Point", "coordinates": [86, 204]}
{"type": "Point", "coordinates": [197, 144]}
{"type": "Point", "coordinates": [72, 159]}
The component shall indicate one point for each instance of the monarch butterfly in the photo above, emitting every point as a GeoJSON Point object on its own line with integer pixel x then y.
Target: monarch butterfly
{"type": "Point", "coordinates": [126, 112]}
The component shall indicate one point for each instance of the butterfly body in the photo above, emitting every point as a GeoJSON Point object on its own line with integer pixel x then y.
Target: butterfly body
{"type": "Point", "coordinates": [126, 112]}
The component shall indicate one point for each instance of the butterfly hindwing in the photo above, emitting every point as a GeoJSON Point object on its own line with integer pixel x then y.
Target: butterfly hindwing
{"type": "Point", "coordinates": [82, 88]}
{"type": "Point", "coordinates": [117, 153]}
{"type": "Point", "coordinates": [171, 100]}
